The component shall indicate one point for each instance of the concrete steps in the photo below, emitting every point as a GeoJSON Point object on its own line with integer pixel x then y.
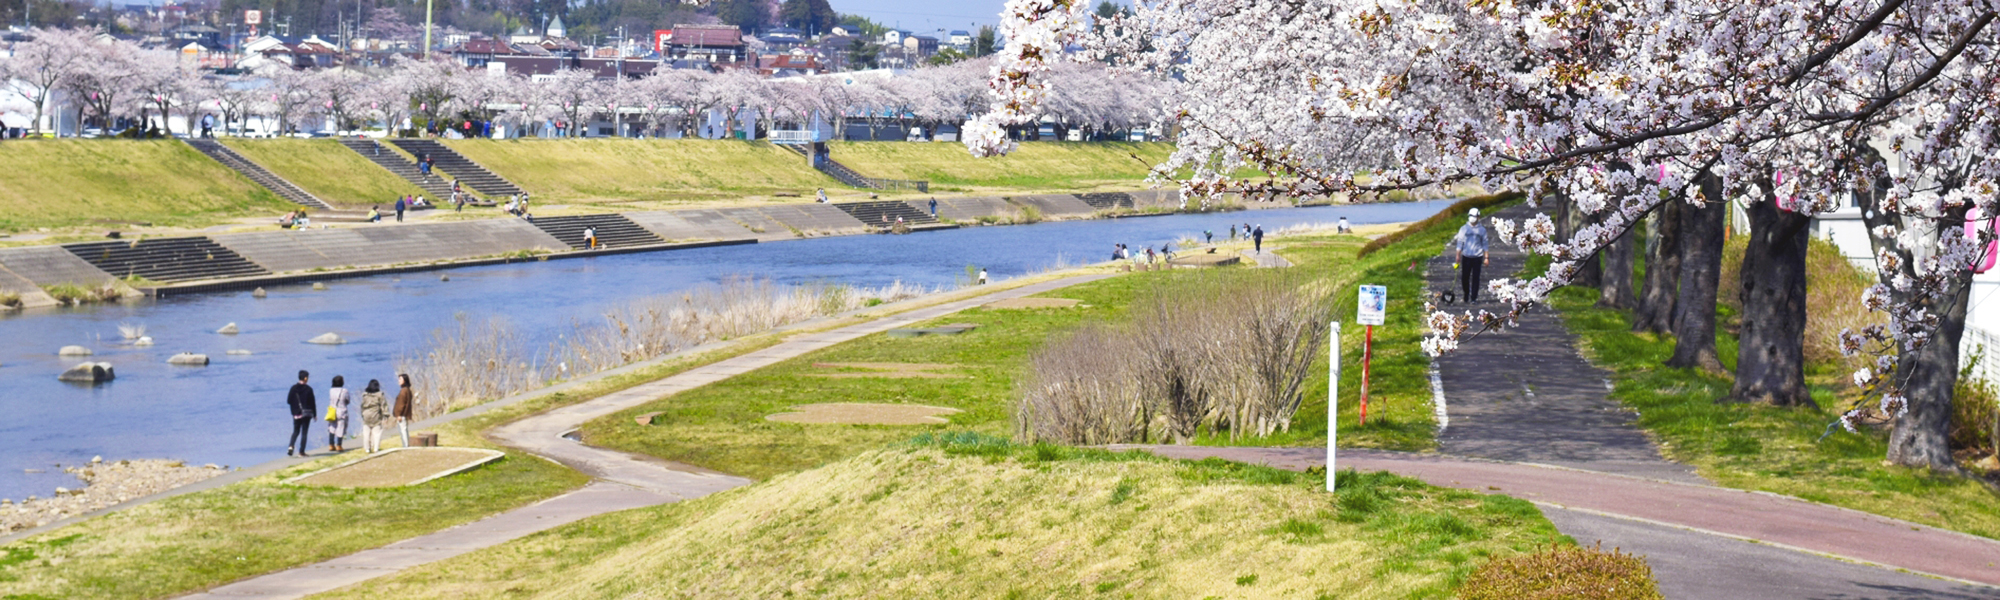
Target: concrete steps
{"type": "Point", "coordinates": [613, 230]}
{"type": "Point", "coordinates": [277, 185]}
{"type": "Point", "coordinates": [883, 213]}
{"type": "Point", "coordinates": [166, 260]}
{"type": "Point", "coordinates": [854, 178]}
{"type": "Point", "coordinates": [443, 158]}
{"type": "Point", "coordinates": [436, 186]}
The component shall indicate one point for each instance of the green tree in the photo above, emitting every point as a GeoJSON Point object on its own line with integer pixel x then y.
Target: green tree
{"type": "Point", "coordinates": [747, 15]}
{"type": "Point", "coordinates": [860, 25]}
{"type": "Point", "coordinates": [945, 56]}
{"type": "Point", "coordinates": [982, 44]}
{"type": "Point", "coordinates": [811, 16]}
{"type": "Point", "coordinates": [862, 54]}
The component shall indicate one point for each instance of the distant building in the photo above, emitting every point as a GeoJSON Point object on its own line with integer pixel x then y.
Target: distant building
{"type": "Point", "coordinates": [791, 64]}
{"type": "Point", "coordinates": [556, 29]}
{"type": "Point", "coordinates": [476, 52]}
{"type": "Point", "coordinates": [922, 46]}
{"type": "Point", "coordinates": [960, 41]}
{"type": "Point", "coordinates": [712, 43]}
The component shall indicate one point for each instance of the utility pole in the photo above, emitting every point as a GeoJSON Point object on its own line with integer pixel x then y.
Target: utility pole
{"type": "Point", "coordinates": [427, 28]}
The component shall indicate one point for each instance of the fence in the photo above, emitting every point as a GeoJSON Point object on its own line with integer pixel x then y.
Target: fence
{"type": "Point", "coordinates": [1988, 367]}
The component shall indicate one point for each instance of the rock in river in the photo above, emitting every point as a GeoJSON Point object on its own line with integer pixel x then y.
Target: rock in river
{"type": "Point", "coordinates": [327, 338]}
{"type": "Point", "coordinates": [73, 351]}
{"type": "Point", "coordinates": [229, 329]}
{"type": "Point", "coordinates": [93, 372]}
{"type": "Point", "coordinates": [189, 359]}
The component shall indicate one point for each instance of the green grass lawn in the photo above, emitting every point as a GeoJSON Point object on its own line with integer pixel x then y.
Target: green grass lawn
{"type": "Point", "coordinates": [722, 426]}
{"type": "Point", "coordinates": [1767, 448]}
{"type": "Point", "coordinates": [599, 170]}
{"type": "Point", "coordinates": [326, 169]}
{"type": "Point", "coordinates": [967, 516]}
{"type": "Point", "coordinates": [201, 540]}
{"type": "Point", "coordinates": [1035, 166]}
{"type": "Point", "coordinates": [74, 182]}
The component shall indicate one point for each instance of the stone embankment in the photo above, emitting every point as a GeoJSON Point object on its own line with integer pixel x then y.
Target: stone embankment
{"type": "Point", "coordinates": [105, 484]}
{"type": "Point", "coordinates": [245, 260]}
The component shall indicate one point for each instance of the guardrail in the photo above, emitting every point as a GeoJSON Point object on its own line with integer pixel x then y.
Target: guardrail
{"type": "Point", "coordinates": [898, 184]}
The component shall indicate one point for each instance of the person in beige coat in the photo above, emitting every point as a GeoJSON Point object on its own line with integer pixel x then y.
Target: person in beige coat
{"type": "Point", "coordinates": [374, 411]}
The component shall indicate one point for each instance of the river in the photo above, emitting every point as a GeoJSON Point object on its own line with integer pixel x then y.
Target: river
{"type": "Point", "coordinates": [232, 412]}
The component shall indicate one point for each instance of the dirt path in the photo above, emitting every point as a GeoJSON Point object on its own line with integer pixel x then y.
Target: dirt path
{"type": "Point", "coordinates": [623, 481]}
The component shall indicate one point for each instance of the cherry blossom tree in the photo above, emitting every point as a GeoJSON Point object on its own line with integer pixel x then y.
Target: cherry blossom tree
{"type": "Point", "coordinates": [1615, 110]}
{"type": "Point", "coordinates": [102, 83]}
{"type": "Point", "coordinates": [42, 65]}
{"type": "Point", "coordinates": [160, 82]}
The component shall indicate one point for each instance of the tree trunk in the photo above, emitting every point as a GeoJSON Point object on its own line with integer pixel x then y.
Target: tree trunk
{"type": "Point", "coordinates": [1655, 312]}
{"type": "Point", "coordinates": [1616, 289]}
{"type": "Point", "coordinates": [1922, 437]}
{"type": "Point", "coordinates": [1928, 374]}
{"type": "Point", "coordinates": [1588, 273]}
{"type": "Point", "coordinates": [1701, 268]}
{"type": "Point", "coordinates": [1771, 355]}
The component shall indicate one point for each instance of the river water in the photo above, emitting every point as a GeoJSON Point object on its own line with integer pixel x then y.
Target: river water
{"type": "Point", "coordinates": [232, 412]}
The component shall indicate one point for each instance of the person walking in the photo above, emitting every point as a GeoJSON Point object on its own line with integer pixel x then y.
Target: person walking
{"type": "Point", "coordinates": [405, 407]}
{"type": "Point", "coordinates": [1258, 235]}
{"type": "Point", "coordinates": [300, 399]}
{"type": "Point", "coordinates": [401, 204]}
{"type": "Point", "coordinates": [1209, 234]}
{"type": "Point", "coordinates": [590, 237]}
{"type": "Point", "coordinates": [374, 409]}
{"type": "Point", "coordinates": [934, 208]}
{"type": "Point", "coordinates": [1232, 232]}
{"type": "Point", "coordinates": [208, 125]}
{"type": "Point", "coordinates": [982, 276]}
{"type": "Point", "coordinates": [337, 401]}
{"type": "Point", "coordinates": [1471, 243]}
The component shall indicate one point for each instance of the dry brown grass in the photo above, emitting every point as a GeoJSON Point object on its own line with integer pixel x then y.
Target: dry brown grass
{"type": "Point", "coordinates": [1225, 353]}
{"type": "Point", "coordinates": [484, 360]}
{"type": "Point", "coordinates": [1564, 572]}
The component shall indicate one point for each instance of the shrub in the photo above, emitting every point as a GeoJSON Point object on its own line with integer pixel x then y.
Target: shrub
{"type": "Point", "coordinates": [1456, 210]}
{"type": "Point", "coordinates": [10, 300]}
{"type": "Point", "coordinates": [1563, 572]}
{"type": "Point", "coordinates": [70, 293]}
{"type": "Point", "coordinates": [1975, 414]}
{"type": "Point", "coordinates": [1030, 215]}
{"type": "Point", "coordinates": [1215, 352]}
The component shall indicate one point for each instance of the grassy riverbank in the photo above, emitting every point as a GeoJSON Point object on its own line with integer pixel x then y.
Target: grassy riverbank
{"type": "Point", "coordinates": [73, 183]}
{"type": "Point", "coordinates": [722, 426]}
{"type": "Point", "coordinates": [665, 172]}
{"type": "Point", "coordinates": [1034, 166]}
{"type": "Point", "coordinates": [327, 170]}
{"type": "Point", "coordinates": [969, 516]}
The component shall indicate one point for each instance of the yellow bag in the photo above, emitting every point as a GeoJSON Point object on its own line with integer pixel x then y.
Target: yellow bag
{"type": "Point", "coordinates": [331, 414]}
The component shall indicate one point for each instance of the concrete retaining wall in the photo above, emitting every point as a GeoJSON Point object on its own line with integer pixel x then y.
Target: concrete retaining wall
{"type": "Point", "coordinates": [814, 219]}
{"type": "Point", "coordinates": [1055, 205]}
{"type": "Point", "coordinates": [688, 226]}
{"type": "Point", "coordinates": [285, 251]}
{"type": "Point", "coordinates": [761, 226]}
{"type": "Point", "coordinates": [50, 265]}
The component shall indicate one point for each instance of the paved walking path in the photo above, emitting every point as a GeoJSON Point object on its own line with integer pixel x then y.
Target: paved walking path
{"type": "Point", "coordinates": [1267, 258]}
{"type": "Point", "coordinates": [623, 481]}
{"type": "Point", "coordinates": [1525, 394]}
{"type": "Point", "coordinates": [1711, 523]}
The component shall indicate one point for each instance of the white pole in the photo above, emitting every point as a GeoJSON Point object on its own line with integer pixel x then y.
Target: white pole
{"type": "Point", "coordinates": [1332, 398]}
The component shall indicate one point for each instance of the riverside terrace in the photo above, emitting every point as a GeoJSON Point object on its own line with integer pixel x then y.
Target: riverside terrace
{"type": "Point", "coordinates": [239, 260]}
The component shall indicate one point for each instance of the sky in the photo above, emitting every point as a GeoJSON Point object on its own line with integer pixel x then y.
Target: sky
{"type": "Point", "coordinates": [925, 15]}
